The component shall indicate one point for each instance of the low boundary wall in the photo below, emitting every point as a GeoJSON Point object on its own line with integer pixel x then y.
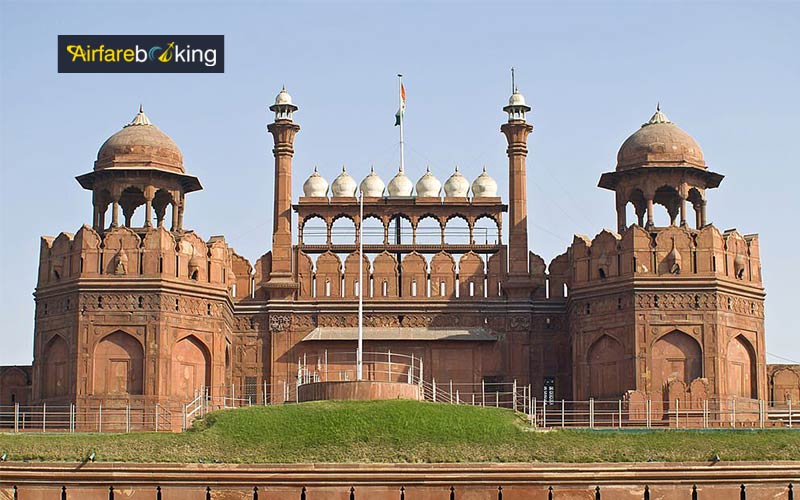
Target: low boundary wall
{"type": "Point", "coordinates": [618, 481]}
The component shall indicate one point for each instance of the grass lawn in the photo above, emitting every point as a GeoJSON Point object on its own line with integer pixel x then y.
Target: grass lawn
{"type": "Point", "coordinates": [395, 431]}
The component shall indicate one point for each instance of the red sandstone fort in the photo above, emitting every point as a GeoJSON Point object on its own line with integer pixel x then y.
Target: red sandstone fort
{"type": "Point", "coordinates": [150, 313]}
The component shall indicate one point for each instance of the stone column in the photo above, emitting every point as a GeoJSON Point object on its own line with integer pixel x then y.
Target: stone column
{"type": "Point", "coordinates": [174, 216]}
{"type": "Point", "coordinates": [148, 206]}
{"type": "Point", "coordinates": [702, 214]}
{"type": "Point", "coordinates": [516, 131]}
{"type": "Point", "coordinates": [621, 216]}
{"type": "Point", "coordinates": [683, 211]}
{"type": "Point", "coordinates": [650, 222]}
{"type": "Point", "coordinates": [180, 213]}
{"type": "Point", "coordinates": [281, 284]}
{"type": "Point", "coordinates": [115, 213]}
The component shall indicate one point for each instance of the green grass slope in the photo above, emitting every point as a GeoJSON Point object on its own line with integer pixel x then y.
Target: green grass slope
{"type": "Point", "coordinates": [395, 431]}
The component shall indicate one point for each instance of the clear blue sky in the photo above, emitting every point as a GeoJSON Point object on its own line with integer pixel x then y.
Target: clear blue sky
{"type": "Point", "coordinates": [728, 73]}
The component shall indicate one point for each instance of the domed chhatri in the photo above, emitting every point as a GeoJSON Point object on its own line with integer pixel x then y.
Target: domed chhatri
{"type": "Point", "coordinates": [372, 185]}
{"type": "Point", "coordinates": [659, 142]}
{"type": "Point", "coordinates": [457, 186]}
{"type": "Point", "coordinates": [428, 185]}
{"type": "Point", "coordinates": [344, 185]}
{"type": "Point", "coordinates": [140, 144]}
{"type": "Point", "coordinates": [283, 98]}
{"type": "Point", "coordinates": [315, 185]}
{"type": "Point", "coordinates": [400, 185]}
{"type": "Point", "coordinates": [484, 186]}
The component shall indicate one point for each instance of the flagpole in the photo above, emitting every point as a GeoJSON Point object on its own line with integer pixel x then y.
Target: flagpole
{"type": "Point", "coordinates": [400, 98]}
{"type": "Point", "coordinates": [360, 351]}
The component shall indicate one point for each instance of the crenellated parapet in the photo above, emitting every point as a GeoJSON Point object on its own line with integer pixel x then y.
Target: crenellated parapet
{"type": "Point", "coordinates": [677, 252]}
{"type": "Point", "coordinates": [124, 254]}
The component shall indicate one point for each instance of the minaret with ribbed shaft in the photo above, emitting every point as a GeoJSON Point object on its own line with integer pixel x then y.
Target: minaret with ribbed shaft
{"type": "Point", "coordinates": [281, 285]}
{"type": "Point", "coordinates": [516, 130]}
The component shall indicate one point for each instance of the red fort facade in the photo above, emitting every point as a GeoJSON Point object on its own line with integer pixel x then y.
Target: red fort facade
{"type": "Point", "coordinates": [150, 312]}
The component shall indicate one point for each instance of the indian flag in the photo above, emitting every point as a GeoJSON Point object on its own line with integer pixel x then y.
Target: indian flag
{"type": "Point", "coordinates": [398, 117]}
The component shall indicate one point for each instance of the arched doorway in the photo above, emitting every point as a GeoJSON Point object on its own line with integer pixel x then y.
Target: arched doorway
{"type": "Point", "coordinates": [118, 365]}
{"type": "Point", "coordinates": [56, 361]}
{"type": "Point", "coordinates": [741, 368]}
{"type": "Point", "coordinates": [676, 356]}
{"type": "Point", "coordinates": [606, 369]}
{"type": "Point", "coordinates": [191, 367]}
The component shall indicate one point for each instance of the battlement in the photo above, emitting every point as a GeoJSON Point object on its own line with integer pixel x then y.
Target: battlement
{"type": "Point", "coordinates": [669, 251]}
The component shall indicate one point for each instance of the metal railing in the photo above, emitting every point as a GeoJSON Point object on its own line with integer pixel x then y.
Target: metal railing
{"type": "Point", "coordinates": [88, 418]}
{"type": "Point", "coordinates": [733, 413]}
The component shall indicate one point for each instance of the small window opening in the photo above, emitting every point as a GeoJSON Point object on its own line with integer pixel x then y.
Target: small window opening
{"type": "Point", "coordinates": [208, 309]}
{"type": "Point", "coordinates": [161, 265]}
{"type": "Point", "coordinates": [697, 302]}
{"type": "Point", "coordinates": [442, 288]}
{"type": "Point", "coordinates": [195, 274]}
{"type": "Point", "coordinates": [548, 324]}
{"type": "Point", "coordinates": [601, 272]}
{"type": "Point", "coordinates": [588, 308]}
{"type": "Point", "coordinates": [141, 302]}
{"type": "Point", "coordinates": [471, 288]}
{"type": "Point", "coordinates": [385, 288]}
{"type": "Point", "coordinates": [327, 287]}
{"type": "Point", "coordinates": [619, 303]}
{"type": "Point", "coordinates": [655, 301]}
{"type": "Point", "coordinates": [66, 305]}
{"type": "Point", "coordinates": [414, 287]}
{"type": "Point", "coordinates": [177, 304]}
{"type": "Point", "coordinates": [100, 302]}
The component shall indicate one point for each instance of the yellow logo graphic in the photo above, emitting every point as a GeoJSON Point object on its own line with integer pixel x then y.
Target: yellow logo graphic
{"type": "Point", "coordinates": [166, 56]}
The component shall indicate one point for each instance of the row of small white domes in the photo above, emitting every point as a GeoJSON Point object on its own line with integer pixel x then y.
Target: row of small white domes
{"type": "Point", "coordinates": [400, 185]}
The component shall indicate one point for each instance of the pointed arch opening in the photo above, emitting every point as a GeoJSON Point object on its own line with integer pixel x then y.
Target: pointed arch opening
{"type": "Point", "coordinates": [191, 367]}
{"type": "Point", "coordinates": [118, 365]}
{"type": "Point", "coordinates": [741, 368]}
{"type": "Point", "coordinates": [56, 364]}
{"type": "Point", "coordinates": [676, 356]}
{"type": "Point", "coordinates": [607, 373]}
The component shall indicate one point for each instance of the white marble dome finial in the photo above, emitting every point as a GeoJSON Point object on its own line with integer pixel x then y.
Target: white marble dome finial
{"type": "Point", "coordinates": [484, 186]}
{"type": "Point", "coordinates": [344, 185]}
{"type": "Point", "coordinates": [315, 185]}
{"type": "Point", "coordinates": [283, 97]}
{"type": "Point", "coordinates": [457, 186]}
{"type": "Point", "coordinates": [400, 185]}
{"type": "Point", "coordinates": [428, 185]}
{"type": "Point", "coordinates": [372, 185]}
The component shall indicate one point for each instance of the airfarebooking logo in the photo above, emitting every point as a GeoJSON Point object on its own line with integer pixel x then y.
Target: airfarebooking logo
{"type": "Point", "coordinates": [141, 54]}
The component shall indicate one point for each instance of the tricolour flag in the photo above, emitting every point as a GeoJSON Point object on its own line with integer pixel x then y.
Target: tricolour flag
{"type": "Point", "coordinates": [398, 117]}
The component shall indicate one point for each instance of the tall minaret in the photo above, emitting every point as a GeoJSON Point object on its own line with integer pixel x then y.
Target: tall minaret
{"type": "Point", "coordinates": [281, 285]}
{"type": "Point", "coordinates": [516, 130]}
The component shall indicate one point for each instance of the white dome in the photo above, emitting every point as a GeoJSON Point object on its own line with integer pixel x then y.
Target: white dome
{"type": "Point", "coordinates": [372, 185]}
{"type": "Point", "coordinates": [429, 185]}
{"type": "Point", "coordinates": [456, 186]}
{"type": "Point", "coordinates": [315, 185]}
{"type": "Point", "coordinates": [283, 97]}
{"type": "Point", "coordinates": [344, 185]}
{"type": "Point", "coordinates": [484, 186]}
{"type": "Point", "coordinates": [400, 185]}
{"type": "Point", "coordinates": [516, 99]}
